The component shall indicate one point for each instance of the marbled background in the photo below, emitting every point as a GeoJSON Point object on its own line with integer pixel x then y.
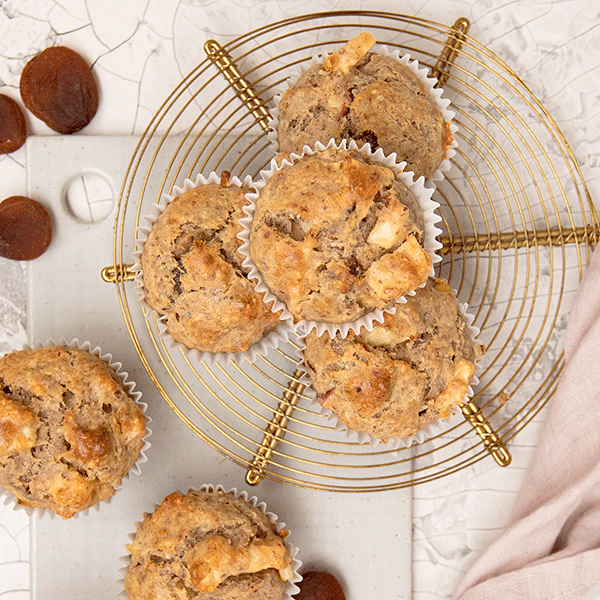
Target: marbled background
{"type": "Point", "coordinates": [140, 49]}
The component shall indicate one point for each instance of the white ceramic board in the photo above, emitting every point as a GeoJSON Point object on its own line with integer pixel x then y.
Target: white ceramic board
{"type": "Point", "coordinates": [364, 538]}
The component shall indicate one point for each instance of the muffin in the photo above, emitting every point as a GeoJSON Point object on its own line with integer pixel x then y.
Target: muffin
{"type": "Point", "coordinates": [405, 374]}
{"type": "Point", "coordinates": [369, 97]}
{"type": "Point", "coordinates": [208, 545]}
{"type": "Point", "coordinates": [335, 235]}
{"type": "Point", "coordinates": [69, 429]}
{"type": "Point", "coordinates": [193, 274]}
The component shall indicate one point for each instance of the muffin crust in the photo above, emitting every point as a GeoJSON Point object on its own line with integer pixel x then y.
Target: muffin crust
{"type": "Point", "coordinates": [193, 273]}
{"type": "Point", "coordinates": [335, 236]}
{"type": "Point", "coordinates": [367, 97]}
{"type": "Point", "coordinates": [69, 431]}
{"type": "Point", "coordinates": [411, 370]}
{"type": "Point", "coordinates": [208, 545]}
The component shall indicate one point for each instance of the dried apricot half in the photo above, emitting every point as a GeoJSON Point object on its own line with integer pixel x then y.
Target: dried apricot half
{"type": "Point", "coordinates": [25, 228]}
{"type": "Point", "coordinates": [58, 87]}
{"type": "Point", "coordinates": [13, 127]}
{"type": "Point", "coordinates": [320, 585]}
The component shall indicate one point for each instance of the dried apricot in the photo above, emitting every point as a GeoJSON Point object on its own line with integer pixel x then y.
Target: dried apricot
{"type": "Point", "coordinates": [25, 228]}
{"type": "Point", "coordinates": [13, 127]}
{"type": "Point", "coordinates": [58, 87]}
{"type": "Point", "coordinates": [320, 585]}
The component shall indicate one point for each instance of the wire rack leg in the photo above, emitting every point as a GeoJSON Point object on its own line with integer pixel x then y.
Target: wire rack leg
{"type": "Point", "coordinates": [275, 429]}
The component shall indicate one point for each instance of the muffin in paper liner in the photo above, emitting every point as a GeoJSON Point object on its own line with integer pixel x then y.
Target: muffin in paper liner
{"type": "Point", "coordinates": [433, 429]}
{"type": "Point", "coordinates": [421, 72]}
{"type": "Point", "coordinates": [293, 577]}
{"type": "Point", "coordinates": [129, 386]}
{"type": "Point", "coordinates": [421, 194]}
{"type": "Point", "coordinates": [282, 327]}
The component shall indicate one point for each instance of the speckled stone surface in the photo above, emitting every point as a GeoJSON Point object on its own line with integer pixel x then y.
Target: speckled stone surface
{"type": "Point", "coordinates": [141, 49]}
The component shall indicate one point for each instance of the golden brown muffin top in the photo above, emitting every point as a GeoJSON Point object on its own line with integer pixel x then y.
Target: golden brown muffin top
{"type": "Point", "coordinates": [207, 542]}
{"type": "Point", "coordinates": [406, 373]}
{"type": "Point", "coordinates": [368, 97]}
{"type": "Point", "coordinates": [193, 273]}
{"type": "Point", "coordinates": [69, 430]}
{"type": "Point", "coordinates": [335, 236]}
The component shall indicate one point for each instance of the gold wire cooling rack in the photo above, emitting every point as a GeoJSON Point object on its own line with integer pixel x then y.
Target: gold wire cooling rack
{"type": "Point", "coordinates": [518, 229]}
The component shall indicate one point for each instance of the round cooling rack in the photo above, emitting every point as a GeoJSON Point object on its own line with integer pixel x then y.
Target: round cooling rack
{"type": "Point", "coordinates": [518, 230]}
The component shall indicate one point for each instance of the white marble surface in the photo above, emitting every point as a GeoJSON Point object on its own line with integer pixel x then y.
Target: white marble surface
{"type": "Point", "coordinates": [140, 49]}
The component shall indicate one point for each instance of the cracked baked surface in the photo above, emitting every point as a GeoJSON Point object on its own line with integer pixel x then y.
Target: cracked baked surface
{"type": "Point", "coordinates": [405, 374]}
{"type": "Point", "coordinates": [193, 273]}
{"type": "Point", "coordinates": [69, 431]}
{"type": "Point", "coordinates": [207, 546]}
{"type": "Point", "coordinates": [367, 97]}
{"type": "Point", "coordinates": [335, 237]}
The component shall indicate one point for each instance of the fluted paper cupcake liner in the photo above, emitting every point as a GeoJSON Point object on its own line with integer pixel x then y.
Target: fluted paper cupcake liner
{"type": "Point", "coordinates": [433, 429]}
{"type": "Point", "coordinates": [422, 72]}
{"type": "Point", "coordinates": [279, 335]}
{"type": "Point", "coordinates": [9, 498]}
{"type": "Point", "coordinates": [430, 242]}
{"type": "Point", "coordinates": [291, 587]}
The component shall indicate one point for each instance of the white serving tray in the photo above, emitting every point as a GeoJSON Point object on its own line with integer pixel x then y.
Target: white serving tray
{"type": "Point", "coordinates": [363, 538]}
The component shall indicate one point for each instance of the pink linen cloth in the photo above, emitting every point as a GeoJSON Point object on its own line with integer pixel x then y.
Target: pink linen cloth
{"type": "Point", "coordinates": [551, 547]}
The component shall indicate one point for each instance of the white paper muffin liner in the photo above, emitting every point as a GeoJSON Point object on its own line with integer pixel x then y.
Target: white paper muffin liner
{"type": "Point", "coordinates": [430, 232]}
{"type": "Point", "coordinates": [438, 427]}
{"type": "Point", "coordinates": [422, 72]}
{"type": "Point", "coordinates": [279, 335]}
{"type": "Point", "coordinates": [291, 587]}
{"type": "Point", "coordinates": [9, 498]}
